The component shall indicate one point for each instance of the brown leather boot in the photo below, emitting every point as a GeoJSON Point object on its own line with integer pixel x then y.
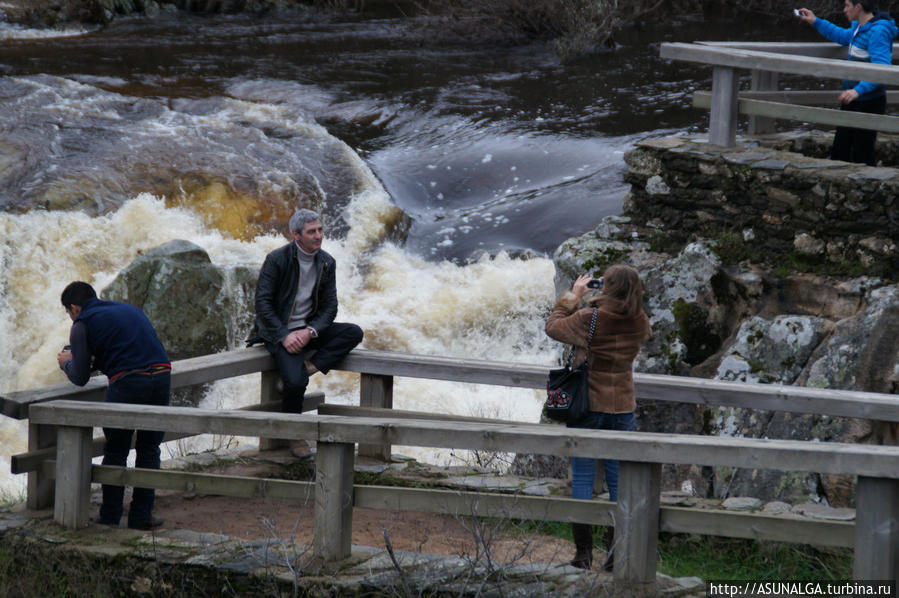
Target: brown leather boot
{"type": "Point", "coordinates": [583, 544]}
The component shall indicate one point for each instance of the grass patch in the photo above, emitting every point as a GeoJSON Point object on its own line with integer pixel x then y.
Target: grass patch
{"type": "Point", "coordinates": [732, 559]}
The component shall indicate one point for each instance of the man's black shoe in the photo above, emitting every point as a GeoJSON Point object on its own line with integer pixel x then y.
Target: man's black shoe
{"type": "Point", "coordinates": [147, 525]}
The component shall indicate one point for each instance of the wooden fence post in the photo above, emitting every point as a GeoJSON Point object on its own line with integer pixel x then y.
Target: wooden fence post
{"type": "Point", "coordinates": [268, 392]}
{"type": "Point", "coordinates": [333, 519]}
{"type": "Point", "coordinates": [40, 486]}
{"type": "Point", "coordinates": [637, 522]}
{"type": "Point", "coordinates": [74, 450]}
{"type": "Point", "coordinates": [723, 114]}
{"type": "Point", "coordinates": [376, 391]}
{"type": "Point", "coordinates": [876, 529]}
{"type": "Point", "coordinates": [762, 81]}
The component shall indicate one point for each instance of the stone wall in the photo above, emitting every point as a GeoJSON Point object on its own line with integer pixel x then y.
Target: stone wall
{"type": "Point", "coordinates": [779, 201]}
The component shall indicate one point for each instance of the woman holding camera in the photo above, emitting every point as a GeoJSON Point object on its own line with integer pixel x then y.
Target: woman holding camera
{"type": "Point", "coordinates": [621, 329]}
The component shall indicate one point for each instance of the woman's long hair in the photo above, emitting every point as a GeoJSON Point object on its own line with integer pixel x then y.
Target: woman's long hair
{"type": "Point", "coordinates": [622, 291]}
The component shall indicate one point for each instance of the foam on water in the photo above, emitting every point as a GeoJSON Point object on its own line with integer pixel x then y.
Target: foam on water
{"type": "Point", "coordinates": [492, 309]}
{"type": "Point", "coordinates": [10, 31]}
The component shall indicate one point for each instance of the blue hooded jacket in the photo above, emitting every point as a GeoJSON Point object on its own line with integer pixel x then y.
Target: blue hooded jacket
{"type": "Point", "coordinates": [872, 42]}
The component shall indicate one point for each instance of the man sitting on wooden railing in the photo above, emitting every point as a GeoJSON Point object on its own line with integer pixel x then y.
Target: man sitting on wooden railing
{"type": "Point", "coordinates": [296, 302]}
{"type": "Point", "coordinates": [870, 39]}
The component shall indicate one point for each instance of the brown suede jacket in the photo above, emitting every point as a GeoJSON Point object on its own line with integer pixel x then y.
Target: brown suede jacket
{"type": "Point", "coordinates": [616, 342]}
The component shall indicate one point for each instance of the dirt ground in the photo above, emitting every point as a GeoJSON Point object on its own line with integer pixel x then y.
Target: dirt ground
{"type": "Point", "coordinates": [277, 519]}
{"type": "Point", "coordinates": [256, 519]}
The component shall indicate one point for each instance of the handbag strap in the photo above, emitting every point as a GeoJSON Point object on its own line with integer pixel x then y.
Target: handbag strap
{"type": "Point", "coordinates": [589, 340]}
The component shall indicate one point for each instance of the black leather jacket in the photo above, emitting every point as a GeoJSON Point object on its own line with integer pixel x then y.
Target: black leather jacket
{"type": "Point", "coordinates": [276, 290]}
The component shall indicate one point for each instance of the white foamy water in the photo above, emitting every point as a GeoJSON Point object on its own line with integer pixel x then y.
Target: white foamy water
{"type": "Point", "coordinates": [10, 31]}
{"type": "Point", "coordinates": [493, 309]}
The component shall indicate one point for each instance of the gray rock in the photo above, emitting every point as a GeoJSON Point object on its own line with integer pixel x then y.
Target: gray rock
{"type": "Point", "coordinates": [741, 503]}
{"type": "Point", "coordinates": [187, 298]}
{"type": "Point", "coordinates": [776, 507]}
{"type": "Point", "coordinates": [821, 511]}
{"type": "Point", "coordinates": [772, 351]}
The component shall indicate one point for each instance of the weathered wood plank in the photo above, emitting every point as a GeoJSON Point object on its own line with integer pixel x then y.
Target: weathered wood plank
{"type": "Point", "coordinates": [185, 372]}
{"type": "Point", "coordinates": [817, 49]}
{"type": "Point", "coordinates": [31, 460]}
{"type": "Point", "coordinates": [683, 520]}
{"type": "Point", "coordinates": [73, 477]}
{"type": "Point", "coordinates": [483, 504]}
{"type": "Point", "coordinates": [824, 116]}
{"type": "Point", "coordinates": [723, 112]}
{"type": "Point", "coordinates": [355, 411]}
{"type": "Point", "coordinates": [801, 97]}
{"type": "Point", "coordinates": [752, 453]}
{"type": "Point", "coordinates": [333, 501]}
{"type": "Point", "coordinates": [811, 66]}
{"type": "Point", "coordinates": [376, 391]}
{"type": "Point", "coordinates": [876, 529]}
{"type": "Point", "coordinates": [637, 522]}
{"type": "Point", "coordinates": [757, 526]}
{"type": "Point", "coordinates": [657, 387]}
{"type": "Point", "coordinates": [204, 483]}
{"type": "Point", "coordinates": [762, 81]}
{"type": "Point", "coordinates": [40, 488]}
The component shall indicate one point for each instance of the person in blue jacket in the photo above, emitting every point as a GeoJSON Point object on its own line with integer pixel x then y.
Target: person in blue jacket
{"type": "Point", "coordinates": [119, 340]}
{"type": "Point", "coordinates": [870, 39]}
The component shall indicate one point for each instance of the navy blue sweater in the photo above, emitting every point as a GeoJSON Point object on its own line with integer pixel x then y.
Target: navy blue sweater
{"type": "Point", "coordinates": [118, 336]}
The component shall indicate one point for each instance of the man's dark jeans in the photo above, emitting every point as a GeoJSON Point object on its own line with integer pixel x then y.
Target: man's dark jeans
{"type": "Point", "coordinates": [857, 145]}
{"type": "Point", "coordinates": [137, 389]}
{"type": "Point", "coordinates": [331, 346]}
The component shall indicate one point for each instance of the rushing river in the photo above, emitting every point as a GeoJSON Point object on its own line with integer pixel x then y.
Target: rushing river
{"type": "Point", "coordinates": [448, 173]}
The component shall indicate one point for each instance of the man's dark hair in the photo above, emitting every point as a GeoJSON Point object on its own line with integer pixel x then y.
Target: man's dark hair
{"type": "Point", "coordinates": [867, 5]}
{"type": "Point", "coordinates": [77, 293]}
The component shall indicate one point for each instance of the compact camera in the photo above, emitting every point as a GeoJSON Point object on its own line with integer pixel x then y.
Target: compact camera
{"type": "Point", "coordinates": [595, 283]}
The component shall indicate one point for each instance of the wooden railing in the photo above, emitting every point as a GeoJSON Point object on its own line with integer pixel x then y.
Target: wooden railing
{"type": "Point", "coordinates": [763, 103]}
{"type": "Point", "coordinates": [381, 423]}
{"type": "Point", "coordinates": [636, 515]}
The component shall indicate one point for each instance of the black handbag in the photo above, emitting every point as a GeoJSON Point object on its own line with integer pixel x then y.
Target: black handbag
{"type": "Point", "coordinates": [567, 390]}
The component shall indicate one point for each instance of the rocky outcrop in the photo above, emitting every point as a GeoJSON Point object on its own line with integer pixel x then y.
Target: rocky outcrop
{"type": "Point", "coordinates": [767, 201]}
{"type": "Point", "coordinates": [740, 322]}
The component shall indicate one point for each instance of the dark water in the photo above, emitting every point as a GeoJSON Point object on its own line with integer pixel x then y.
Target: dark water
{"type": "Point", "coordinates": [484, 147]}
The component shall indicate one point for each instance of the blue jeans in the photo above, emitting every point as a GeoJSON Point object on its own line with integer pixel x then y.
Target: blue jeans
{"type": "Point", "coordinates": [583, 469]}
{"type": "Point", "coordinates": [139, 389]}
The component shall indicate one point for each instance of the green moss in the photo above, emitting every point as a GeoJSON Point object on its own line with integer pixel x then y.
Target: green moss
{"type": "Point", "coordinates": [730, 559]}
{"type": "Point", "coordinates": [695, 331]}
{"type": "Point", "coordinates": [755, 367]}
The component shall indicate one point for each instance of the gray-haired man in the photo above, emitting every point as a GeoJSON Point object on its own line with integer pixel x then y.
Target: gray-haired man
{"type": "Point", "coordinates": [296, 302]}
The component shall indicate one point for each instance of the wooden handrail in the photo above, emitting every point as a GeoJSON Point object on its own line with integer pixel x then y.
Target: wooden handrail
{"type": "Point", "coordinates": [783, 455]}
{"type": "Point", "coordinates": [657, 387]}
{"type": "Point", "coordinates": [812, 66]}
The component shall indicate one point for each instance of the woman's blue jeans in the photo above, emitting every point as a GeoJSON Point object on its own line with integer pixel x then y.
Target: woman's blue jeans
{"type": "Point", "coordinates": [583, 469]}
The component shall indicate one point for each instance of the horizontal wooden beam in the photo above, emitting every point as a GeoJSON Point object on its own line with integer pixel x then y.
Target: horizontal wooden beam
{"type": "Point", "coordinates": [802, 98]}
{"type": "Point", "coordinates": [823, 116]}
{"type": "Point", "coordinates": [680, 389]}
{"type": "Point", "coordinates": [204, 483]}
{"type": "Point", "coordinates": [684, 520]}
{"type": "Point", "coordinates": [31, 460]}
{"type": "Point", "coordinates": [811, 66]}
{"type": "Point", "coordinates": [752, 453]}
